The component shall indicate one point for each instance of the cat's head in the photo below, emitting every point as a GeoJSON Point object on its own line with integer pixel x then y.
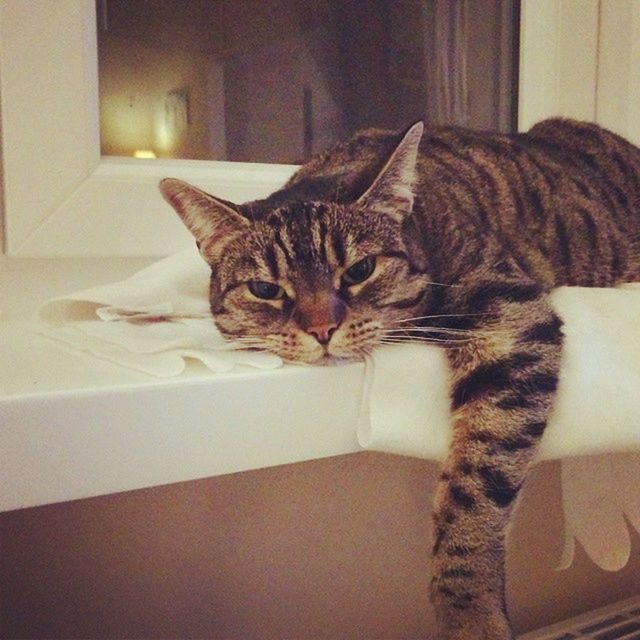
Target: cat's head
{"type": "Point", "coordinates": [312, 280]}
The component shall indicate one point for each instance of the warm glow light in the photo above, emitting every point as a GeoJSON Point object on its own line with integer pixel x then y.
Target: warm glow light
{"type": "Point", "coordinates": [144, 153]}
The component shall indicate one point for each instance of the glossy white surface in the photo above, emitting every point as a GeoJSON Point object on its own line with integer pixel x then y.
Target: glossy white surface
{"type": "Point", "coordinates": [73, 426]}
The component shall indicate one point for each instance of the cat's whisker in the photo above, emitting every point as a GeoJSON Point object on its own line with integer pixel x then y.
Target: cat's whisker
{"type": "Point", "coordinates": [441, 344]}
{"type": "Point", "coordinates": [443, 315]}
{"type": "Point", "coordinates": [246, 339]}
{"type": "Point", "coordinates": [433, 330]}
{"type": "Point", "coordinates": [253, 347]}
{"type": "Point", "coordinates": [449, 335]}
{"type": "Point", "coordinates": [441, 284]}
{"type": "Point", "coordinates": [425, 333]}
{"type": "Point", "coordinates": [242, 342]}
{"type": "Point", "coordinates": [408, 338]}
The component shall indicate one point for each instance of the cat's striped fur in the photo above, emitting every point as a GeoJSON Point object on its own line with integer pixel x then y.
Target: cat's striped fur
{"type": "Point", "coordinates": [469, 231]}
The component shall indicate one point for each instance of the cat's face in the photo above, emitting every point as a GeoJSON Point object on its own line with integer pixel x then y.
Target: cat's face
{"type": "Point", "coordinates": [311, 281]}
{"type": "Point", "coordinates": [316, 281]}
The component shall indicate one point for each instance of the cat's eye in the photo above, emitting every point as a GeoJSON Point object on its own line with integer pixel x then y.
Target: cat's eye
{"type": "Point", "coordinates": [265, 290]}
{"type": "Point", "coordinates": [359, 271]}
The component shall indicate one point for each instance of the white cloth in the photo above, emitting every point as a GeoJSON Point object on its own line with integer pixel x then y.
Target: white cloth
{"type": "Point", "coordinates": [152, 322]}
{"type": "Point", "coordinates": [160, 317]}
{"type": "Point", "coordinates": [597, 408]}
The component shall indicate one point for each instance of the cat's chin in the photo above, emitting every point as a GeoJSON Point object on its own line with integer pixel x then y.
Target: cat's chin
{"type": "Point", "coordinates": [327, 360]}
{"type": "Point", "coordinates": [330, 360]}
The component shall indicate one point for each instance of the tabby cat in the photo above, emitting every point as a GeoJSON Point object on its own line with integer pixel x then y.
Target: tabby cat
{"type": "Point", "coordinates": [449, 236]}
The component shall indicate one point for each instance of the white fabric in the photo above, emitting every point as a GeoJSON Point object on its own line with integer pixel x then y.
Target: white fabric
{"type": "Point", "coordinates": [598, 403]}
{"type": "Point", "coordinates": [152, 322]}
{"type": "Point", "coordinates": [159, 317]}
{"type": "Point", "coordinates": [600, 495]}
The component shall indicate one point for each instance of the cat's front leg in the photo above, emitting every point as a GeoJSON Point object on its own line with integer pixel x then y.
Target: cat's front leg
{"type": "Point", "coordinates": [504, 383]}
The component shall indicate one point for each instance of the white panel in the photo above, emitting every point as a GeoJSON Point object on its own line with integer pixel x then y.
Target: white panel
{"type": "Point", "coordinates": [578, 58]}
{"type": "Point", "coordinates": [118, 210]}
{"type": "Point", "coordinates": [618, 100]}
{"type": "Point", "coordinates": [558, 60]}
{"type": "Point", "coordinates": [49, 106]}
{"type": "Point", "coordinates": [59, 447]}
{"type": "Point", "coordinates": [538, 68]}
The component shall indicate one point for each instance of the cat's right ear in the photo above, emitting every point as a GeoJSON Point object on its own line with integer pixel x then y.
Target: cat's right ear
{"type": "Point", "coordinates": [392, 192]}
{"type": "Point", "coordinates": [212, 222]}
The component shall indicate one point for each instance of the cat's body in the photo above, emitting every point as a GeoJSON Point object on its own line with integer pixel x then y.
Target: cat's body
{"type": "Point", "coordinates": [452, 237]}
{"type": "Point", "coordinates": [558, 198]}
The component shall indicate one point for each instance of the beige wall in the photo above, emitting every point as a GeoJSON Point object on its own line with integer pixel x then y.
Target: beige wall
{"type": "Point", "coordinates": [337, 548]}
{"type": "Point", "coordinates": [135, 85]}
{"type": "Point", "coordinates": [147, 50]}
{"type": "Point", "coordinates": [2, 234]}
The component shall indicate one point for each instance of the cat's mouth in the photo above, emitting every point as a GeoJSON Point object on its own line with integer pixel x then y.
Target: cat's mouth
{"type": "Point", "coordinates": [322, 358]}
{"type": "Point", "coordinates": [334, 355]}
{"type": "Point", "coordinates": [329, 360]}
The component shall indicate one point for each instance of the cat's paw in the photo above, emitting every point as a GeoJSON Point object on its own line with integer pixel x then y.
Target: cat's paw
{"type": "Point", "coordinates": [495, 627]}
{"type": "Point", "coordinates": [475, 634]}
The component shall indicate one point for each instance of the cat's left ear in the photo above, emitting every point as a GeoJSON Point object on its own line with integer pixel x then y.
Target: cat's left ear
{"type": "Point", "coordinates": [392, 192]}
{"type": "Point", "coordinates": [213, 222]}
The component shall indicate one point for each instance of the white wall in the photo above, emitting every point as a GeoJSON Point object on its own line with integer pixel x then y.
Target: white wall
{"type": "Point", "coordinates": [618, 94]}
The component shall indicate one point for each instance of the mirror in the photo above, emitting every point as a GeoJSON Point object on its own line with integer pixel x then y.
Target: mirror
{"type": "Point", "coordinates": [275, 81]}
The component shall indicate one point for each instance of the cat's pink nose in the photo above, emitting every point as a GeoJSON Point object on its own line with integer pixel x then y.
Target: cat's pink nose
{"type": "Point", "coordinates": [320, 314]}
{"type": "Point", "coordinates": [322, 333]}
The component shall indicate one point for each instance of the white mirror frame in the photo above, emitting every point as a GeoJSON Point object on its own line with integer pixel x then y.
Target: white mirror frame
{"type": "Point", "coordinates": [63, 199]}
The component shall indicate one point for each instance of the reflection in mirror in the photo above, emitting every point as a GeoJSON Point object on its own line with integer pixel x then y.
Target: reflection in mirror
{"type": "Point", "coordinates": [279, 80]}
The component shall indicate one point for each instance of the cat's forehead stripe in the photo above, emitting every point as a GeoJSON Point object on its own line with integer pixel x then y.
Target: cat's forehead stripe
{"type": "Point", "coordinates": [281, 259]}
{"type": "Point", "coordinates": [272, 262]}
{"type": "Point", "coordinates": [301, 237]}
{"type": "Point", "coordinates": [285, 248]}
{"type": "Point", "coordinates": [319, 234]}
{"type": "Point", "coordinates": [338, 247]}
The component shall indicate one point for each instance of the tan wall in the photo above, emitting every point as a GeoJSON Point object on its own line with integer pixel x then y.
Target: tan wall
{"type": "Point", "coordinates": [135, 85]}
{"type": "Point", "coordinates": [147, 50]}
{"type": "Point", "coordinates": [2, 232]}
{"type": "Point", "coordinates": [337, 548]}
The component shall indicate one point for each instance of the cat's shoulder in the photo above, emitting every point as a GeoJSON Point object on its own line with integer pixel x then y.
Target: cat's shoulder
{"type": "Point", "coordinates": [558, 126]}
{"type": "Point", "coordinates": [361, 149]}
{"type": "Point", "coordinates": [578, 134]}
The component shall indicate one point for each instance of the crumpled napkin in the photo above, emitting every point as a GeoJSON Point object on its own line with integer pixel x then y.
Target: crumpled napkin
{"type": "Point", "coordinates": [152, 322]}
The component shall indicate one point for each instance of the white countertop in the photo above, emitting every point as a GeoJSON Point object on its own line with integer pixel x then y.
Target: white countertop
{"type": "Point", "coordinates": [74, 426]}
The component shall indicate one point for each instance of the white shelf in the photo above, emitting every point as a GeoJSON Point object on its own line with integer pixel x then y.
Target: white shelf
{"type": "Point", "coordinates": [72, 426]}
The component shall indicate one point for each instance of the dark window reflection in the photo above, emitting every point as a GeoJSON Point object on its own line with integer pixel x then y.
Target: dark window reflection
{"type": "Point", "coordinates": [278, 80]}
